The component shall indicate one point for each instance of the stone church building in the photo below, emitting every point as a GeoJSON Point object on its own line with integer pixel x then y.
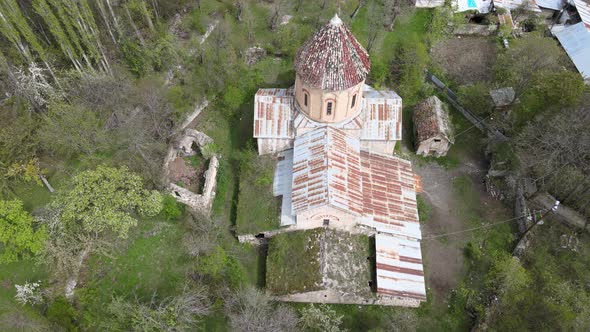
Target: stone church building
{"type": "Point", "coordinates": [335, 138]}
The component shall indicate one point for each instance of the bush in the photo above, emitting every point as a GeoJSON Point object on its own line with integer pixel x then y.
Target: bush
{"type": "Point", "coordinates": [171, 209]}
{"type": "Point", "coordinates": [218, 265]}
{"type": "Point", "coordinates": [135, 57]}
{"type": "Point", "coordinates": [62, 314]}
{"type": "Point", "coordinates": [424, 209]}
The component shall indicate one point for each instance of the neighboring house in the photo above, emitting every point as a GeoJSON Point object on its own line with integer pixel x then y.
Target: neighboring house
{"type": "Point", "coordinates": [429, 3]}
{"type": "Point", "coordinates": [481, 6]}
{"type": "Point", "coordinates": [513, 4]}
{"type": "Point", "coordinates": [575, 40]}
{"type": "Point", "coordinates": [432, 128]}
{"type": "Point", "coordinates": [336, 137]}
{"type": "Point", "coordinates": [583, 8]}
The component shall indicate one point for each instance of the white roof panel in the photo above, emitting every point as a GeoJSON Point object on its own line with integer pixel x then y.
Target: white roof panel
{"type": "Point", "coordinates": [400, 271]}
{"type": "Point", "coordinates": [575, 39]}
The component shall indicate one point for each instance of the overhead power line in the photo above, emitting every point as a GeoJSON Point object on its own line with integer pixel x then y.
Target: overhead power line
{"type": "Point", "coordinates": [434, 236]}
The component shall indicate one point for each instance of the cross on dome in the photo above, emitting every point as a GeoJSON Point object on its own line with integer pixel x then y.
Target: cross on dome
{"type": "Point", "coordinates": [336, 21]}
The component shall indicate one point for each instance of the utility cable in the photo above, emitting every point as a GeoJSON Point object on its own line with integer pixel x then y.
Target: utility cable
{"type": "Point", "coordinates": [434, 236]}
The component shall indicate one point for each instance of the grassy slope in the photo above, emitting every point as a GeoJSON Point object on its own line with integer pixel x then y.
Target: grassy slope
{"type": "Point", "coordinates": [258, 210]}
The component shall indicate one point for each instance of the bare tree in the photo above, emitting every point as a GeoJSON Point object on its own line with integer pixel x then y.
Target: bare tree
{"type": "Point", "coordinates": [239, 10]}
{"type": "Point", "coordinates": [178, 313]}
{"type": "Point", "coordinates": [250, 310]}
{"type": "Point", "coordinates": [374, 24]}
{"type": "Point", "coordinates": [393, 9]}
{"type": "Point", "coordinates": [201, 235]}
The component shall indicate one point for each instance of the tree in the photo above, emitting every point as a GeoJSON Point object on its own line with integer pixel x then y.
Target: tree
{"type": "Point", "coordinates": [394, 9]}
{"type": "Point", "coordinates": [521, 64]}
{"type": "Point", "coordinates": [250, 310]}
{"type": "Point", "coordinates": [320, 318]}
{"type": "Point", "coordinates": [70, 130]}
{"type": "Point", "coordinates": [508, 278]}
{"type": "Point", "coordinates": [178, 313]}
{"type": "Point", "coordinates": [374, 24]}
{"type": "Point", "coordinates": [19, 236]}
{"type": "Point", "coordinates": [201, 234]}
{"type": "Point", "coordinates": [100, 205]}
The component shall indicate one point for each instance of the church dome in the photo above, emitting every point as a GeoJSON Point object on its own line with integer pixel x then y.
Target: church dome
{"type": "Point", "coordinates": [332, 59]}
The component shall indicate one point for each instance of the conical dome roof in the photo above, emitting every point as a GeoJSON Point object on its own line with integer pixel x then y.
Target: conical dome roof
{"type": "Point", "coordinates": [332, 59]}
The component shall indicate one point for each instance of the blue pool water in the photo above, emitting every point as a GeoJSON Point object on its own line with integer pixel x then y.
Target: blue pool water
{"type": "Point", "coordinates": [471, 4]}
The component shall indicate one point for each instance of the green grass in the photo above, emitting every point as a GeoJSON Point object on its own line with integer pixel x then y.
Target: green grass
{"type": "Point", "coordinates": [258, 210]}
{"type": "Point", "coordinates": [424, 210]}
{"type": "Point", "coordinates": [153, 263]}
{"type": "Point", "coordinates": [292, 265]}
{"type": "Point", "coordinates": [11, 312]}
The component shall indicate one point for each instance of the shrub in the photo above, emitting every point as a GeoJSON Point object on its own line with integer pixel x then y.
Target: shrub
{"type": "Point", "coordinates": [63, 314]}
{"type": "Point", "coordinates": [135, 57]}
{"type": "Point", "coordinates": [171, 209]}
{"type": "Point", "coordinates": [424, 209]}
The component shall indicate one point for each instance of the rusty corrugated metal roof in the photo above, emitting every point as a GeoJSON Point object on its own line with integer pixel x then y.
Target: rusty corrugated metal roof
{"type": "Point", "coordinates": [382, 115]}
{"type": "Point", "coordinates": [329, 168]}
{"type": "Point", "coordinates": [389, 195]}
{"type": "Point", "coordinates": [399, 266]}
{"type": "Point", "coordinates": [273, 113]}
{"type": "Point", "coordinates": [326, 171]}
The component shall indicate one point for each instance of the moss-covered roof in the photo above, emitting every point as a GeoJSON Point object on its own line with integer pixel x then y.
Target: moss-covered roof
{"type": "Point", "coordinates": [293, 262]}
{"type": "Point", "coordinates": [311, 260]}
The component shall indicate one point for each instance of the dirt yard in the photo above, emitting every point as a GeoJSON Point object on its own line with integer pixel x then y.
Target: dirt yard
{"type": "Point", "coordinates": [443, 256]}
{"type": "Point", "coordinates": [187, 174]}
{"type": "Point", "coordinates": [466, 60]}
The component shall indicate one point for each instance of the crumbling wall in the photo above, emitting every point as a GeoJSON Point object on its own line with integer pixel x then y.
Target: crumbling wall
{"type": "Point", "coordinates": [543, 201]}
{"type": "Point", "coordinates": [182, 147]}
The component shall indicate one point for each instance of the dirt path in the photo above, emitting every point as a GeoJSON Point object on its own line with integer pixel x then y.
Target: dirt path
{"type": "Point", "coordinates": [444, 256]}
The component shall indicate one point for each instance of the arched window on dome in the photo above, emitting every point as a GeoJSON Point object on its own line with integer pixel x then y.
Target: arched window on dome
{"type": "Point", "coordinates": [329, 108]}
{"type": "Point", "coordinates": [305, 99]}
{"type": "Point", "coordinates": [353, 101]}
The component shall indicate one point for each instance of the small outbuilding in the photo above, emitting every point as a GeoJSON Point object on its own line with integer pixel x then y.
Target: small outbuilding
{"type": "Point", "coordinates": [503, 97]}
{"type": "Point", "coordinates": [432, 128]}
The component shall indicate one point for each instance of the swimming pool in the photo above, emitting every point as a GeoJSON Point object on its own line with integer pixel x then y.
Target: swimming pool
{"type": "Point", "coordinates": [471, 4]}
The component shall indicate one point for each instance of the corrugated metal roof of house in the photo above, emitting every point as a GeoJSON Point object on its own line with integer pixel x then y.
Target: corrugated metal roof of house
{"type": "Point", "coordinates": [551, 4]}
{"type": "Point", "coordinates": [332, 59]}
{"type": "Point", "coordinates": [273, 113]}
{"type": "Point", "coordinates": [399, 267]}
{"type": "Point", "coordinates": [389, 195]}
{"type": "Point", "coordinates": [326, 171]}
{"type": "Point", "coordinates": [512, 4]}
{"type": "Point", "coordinates": [382, 115]}
{"type": "Point", "coordinates": [575, 39]}
{"type": "Point", "coordinates": [429, 3]}
{"type": "Point", "coordinates": [583, 7]}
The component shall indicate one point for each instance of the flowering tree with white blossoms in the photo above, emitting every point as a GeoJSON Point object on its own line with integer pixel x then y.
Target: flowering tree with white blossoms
{"type": "Point", "coordinates": [28, 293]}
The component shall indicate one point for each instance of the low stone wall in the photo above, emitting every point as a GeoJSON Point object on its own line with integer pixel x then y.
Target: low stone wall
{"type": "Point", "coordinates": [332, 296]}
{"type": "Point", "coordinates": [184, 147]}
{"type": "Point", "coordinates": [563, 214]}
{"type": "Point", "coordinates": [198, 202]}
